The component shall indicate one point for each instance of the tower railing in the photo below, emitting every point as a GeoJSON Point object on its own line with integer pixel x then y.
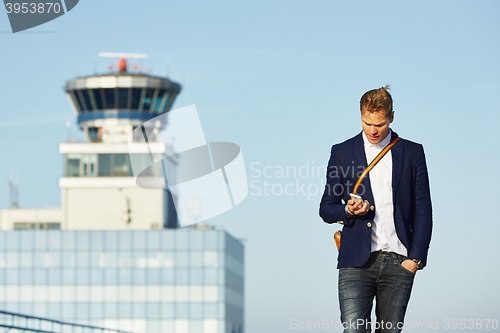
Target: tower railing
{"type": "Point", "coordinates": [17, 323]}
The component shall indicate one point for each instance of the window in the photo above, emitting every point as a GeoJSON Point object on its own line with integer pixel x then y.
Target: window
{"type": "Point", "coordinates": [73, 165]}
{"type": "Point", "coordinates": [76, 97]}
{"type": "Point", "coordinates": [123, 98]}
{"type": "Point", "coordinates": [37, 226]}
{"type": "Point", "coordinates": [104, 163]}
{"type": "Point", "coordinates": [136, 98]}
{"type": "Point", "coordinates": [120, 165]}
{"type": "Point", "coordinates": [86, 99]}
{"type": "Point", "coordinates": [114, 165]}
{"type": "Point", "coordinates": [148, 98]}
{"type": "Point", "coordinates": [160, 101]}
{"type": "Point", "coordinates": [98, 98]}
{"type": "Point", "coordinates": [109, 97]}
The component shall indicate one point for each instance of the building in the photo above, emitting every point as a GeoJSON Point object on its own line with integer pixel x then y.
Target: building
{"type": "Point", "coordinates": [113, 255]}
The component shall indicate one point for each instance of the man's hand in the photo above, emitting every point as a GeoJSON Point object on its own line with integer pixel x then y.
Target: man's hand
{"type": "Point", "coordinates": [358, 208]}
{"type": "Point", "coordinates": [410, 265]}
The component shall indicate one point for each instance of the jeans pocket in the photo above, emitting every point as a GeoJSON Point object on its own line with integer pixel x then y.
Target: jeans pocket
{"type": "Point", "coordinates": [406, 270]}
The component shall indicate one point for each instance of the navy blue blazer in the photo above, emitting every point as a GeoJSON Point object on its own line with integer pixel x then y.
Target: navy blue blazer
{"type": "Point", "coordinates": [411, 199]}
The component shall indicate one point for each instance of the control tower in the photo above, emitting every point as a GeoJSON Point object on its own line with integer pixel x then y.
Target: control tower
{"type": "Point", "coordinates": [98, 187]}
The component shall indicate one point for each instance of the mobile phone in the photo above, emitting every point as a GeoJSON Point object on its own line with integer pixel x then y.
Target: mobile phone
{"type": "Point", "coordinates": [356, 198]}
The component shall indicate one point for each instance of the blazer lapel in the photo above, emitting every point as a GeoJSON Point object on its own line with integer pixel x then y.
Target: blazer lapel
{"type": "Point", "coordinates": [397, 165]}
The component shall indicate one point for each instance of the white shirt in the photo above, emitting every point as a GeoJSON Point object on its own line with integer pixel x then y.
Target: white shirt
{"type": "Point", "coordinates": [384, 235]}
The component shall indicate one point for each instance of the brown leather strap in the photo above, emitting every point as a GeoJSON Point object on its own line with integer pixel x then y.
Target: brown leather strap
{"type": "Point", "coordinates": [374, 162]}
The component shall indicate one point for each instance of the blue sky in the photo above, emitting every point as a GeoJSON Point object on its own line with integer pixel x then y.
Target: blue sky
{"type": "Point", "coordinates": [283, 80]}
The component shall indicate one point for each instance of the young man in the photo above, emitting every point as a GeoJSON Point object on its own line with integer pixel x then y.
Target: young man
{"type": "Point", "coordinates": [385, 237]}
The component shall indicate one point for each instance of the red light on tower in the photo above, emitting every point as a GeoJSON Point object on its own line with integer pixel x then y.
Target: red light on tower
{"type": "Point", "coordinates": [122, 65]}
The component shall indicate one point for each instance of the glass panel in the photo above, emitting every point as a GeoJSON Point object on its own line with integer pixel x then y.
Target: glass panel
{"type": "Point", "coordinates": [153, 240]}
{"type": "Point", "coordinates": [12, 259]}
{"type": "Point", "coordinates": [82, 259]}
{"type": "Point", "coordinates": [82, 276]}
{"type": "Point", "coordinates": [125, 276]}
{"type": "Point", "coordinates": [182, 276]}
{"type": "Point", "coordinates": [167, 276]}
{"type": "Point", "coordinates": [110, 310]}
{"type": "Point", "coordinates": [196, 310]}
{"type": "Point", "coordinates": [167, 310]}
{"type": "Point", "coordinates": [78, 101]}
{"type": "Point", "coordinates": [73, 165]}
{"type": "Point", "coordinates": [111, 240]}
{"type": "Point", "coordinates": [68, 259]}
{"type": "Point", "coordinates": [82, 311]}
{"type": "Point", "coordinates": [139, 310]}
{"type": "Point", "coordinates": [196, 276]}
{"type": "Point", "coordinates": [148, 98]}
{"type": "Point", "coordinates": [136, 98]}
{"type": "Point", "coordinates": [167, 98]}
{"type": "Point", "coordinates": [86, 99]}
{"type": "Point", "coordinates": [54, 276]}
{"type": "Point", "coordinates": [123, 98]}
{"type": "Point", "coordinates": [139, 276]}
{"type": "Point", "coordinates": [196, 240]}
{"type": "Point", "coordinates": [153, 311]}
{"type": "Point", "coordinates": [26, 259]}
{"type": "Point", "coordinates": [125, 240]}
{"type": "Point", "coordinates": [139, 240]}
{"type": "Point", "coordinates": [68, 240]}
{"type": "Point", "coordinates": [110, 276]}
{"type": "Point", "coordinates": [96, 276]}
{"type": "Point", "coordinates": [120, 165]}
{"type": "Point", "coordinates": [97, 311]}
{"type": "Point", "coordinates": [12, 276]}
{"type": "Point", "coordinates": [124, 310]}
{"type": "Point", "coordinates": [210, 240]}
{"type": "Point", "coordinates": [181, 239]}
{"type": "Point", "coordinates": [89, 162]}
{"type": "Point", "coordinates": [96, 240]}
{"type": "Point", "coordinates": [181, 310]}
{"type": "Point", "coordinates": [54, 238]}
{"type": "Point", "coordinates": [82, 101]}
{"type": "Point", "coordinates": [104, 165]}
{"type": "Point", "coordinates": [98, 98]}
{"type": "Point", "coordinates": [153, 276]}
{"type": "Point", "coordinates": [159, 101]}
{"type": "Point", "coordinates": [181, 259]}
{"type": "Point", "coordinates": [109, 97]}
{"type": "Point", "coordinates": [82, 240]}
{"type": "Point", "coordinates": [26, 240]}
{"type": "Point", "coordinates": [40, 276]}
{"type": "Point", "coordinates": [68, 276]}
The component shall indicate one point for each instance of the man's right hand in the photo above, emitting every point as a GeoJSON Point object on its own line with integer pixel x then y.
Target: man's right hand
{"type": "Point", "coordinates": [357, 208]}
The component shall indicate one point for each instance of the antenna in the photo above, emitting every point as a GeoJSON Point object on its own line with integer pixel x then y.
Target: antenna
{"type": "Point", "coordinates": [122, 55]}
{"type": "Point", "coordinates": [13, 191]}
{"type": "Point", "coordinates": [122, 63]}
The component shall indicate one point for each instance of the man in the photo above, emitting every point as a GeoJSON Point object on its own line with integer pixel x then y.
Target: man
{"type": "Point", "coordinates": [385, 237]}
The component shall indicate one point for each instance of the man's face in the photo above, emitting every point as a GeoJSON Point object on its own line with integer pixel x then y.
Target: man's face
{"type": "Point", "coordinates": [376, 125]}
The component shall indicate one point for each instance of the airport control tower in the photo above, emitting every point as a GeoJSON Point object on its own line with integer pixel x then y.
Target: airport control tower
{"type": "Point", "coordinates": [112, 255]}
{"type": "Point", "coordinates": [98, 187]}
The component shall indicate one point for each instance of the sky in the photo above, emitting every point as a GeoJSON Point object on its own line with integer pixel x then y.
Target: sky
{"type": "Point", "coordinates": [283, 79]}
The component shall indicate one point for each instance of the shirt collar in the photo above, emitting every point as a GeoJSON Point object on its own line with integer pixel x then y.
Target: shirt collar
{"type": "Point", "coordinates": [381, 144]}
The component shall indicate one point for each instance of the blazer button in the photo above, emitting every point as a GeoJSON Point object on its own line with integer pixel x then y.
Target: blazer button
{"type": "Point", "coordinates": [372, 207]}
{"type": "Point", "coordinates": [369, 224]}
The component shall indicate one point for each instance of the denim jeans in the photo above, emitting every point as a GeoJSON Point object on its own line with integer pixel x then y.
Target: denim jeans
{"type": "Point", "coordinates": [382, 278]}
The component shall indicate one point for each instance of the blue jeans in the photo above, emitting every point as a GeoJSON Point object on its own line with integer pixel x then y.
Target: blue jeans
{"type": "Point", "coordinates": [382, 278]}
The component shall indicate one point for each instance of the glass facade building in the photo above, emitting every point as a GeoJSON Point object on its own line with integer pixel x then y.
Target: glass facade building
{"type": "Point", "coordinates": [185, 280]}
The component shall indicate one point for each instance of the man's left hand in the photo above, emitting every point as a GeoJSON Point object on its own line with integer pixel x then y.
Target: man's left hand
{"type": "Point", "coordinates": [410, 265]}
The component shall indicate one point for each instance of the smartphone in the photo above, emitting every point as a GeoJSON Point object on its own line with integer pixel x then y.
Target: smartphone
{"type": "Point", "coordinates": [356, 198]}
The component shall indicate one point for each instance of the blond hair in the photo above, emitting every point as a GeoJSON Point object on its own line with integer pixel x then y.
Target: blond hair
{"type": "Point", "coordinates": [377, 99]}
